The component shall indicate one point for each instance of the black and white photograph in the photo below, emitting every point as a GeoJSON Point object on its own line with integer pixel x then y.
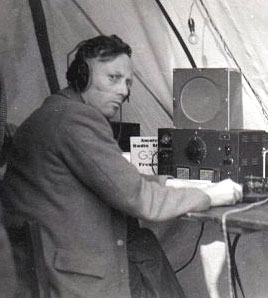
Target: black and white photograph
{"type": "Point", "coordinates": [133, 149]}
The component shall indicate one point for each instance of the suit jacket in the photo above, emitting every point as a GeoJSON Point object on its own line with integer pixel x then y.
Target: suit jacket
{"type": "Point", "coordinates": [8, 279]}
{"type": "Point", "coordinates": [67, 173]}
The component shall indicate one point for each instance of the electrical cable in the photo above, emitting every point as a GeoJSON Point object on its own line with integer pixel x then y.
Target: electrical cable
{"type": "Point", "coordinates": [195, 250]}
{"type": "Point", "coordinates": [234, 273]}
{"type": "Point", "coordinates": [177, 33]}
{"type": "Point", "coordinates": [118, 137]}
{"type": "Point", "coordinates": [152, 166]}
{"type": "Point", "coordinates": [191, 9]}
{"type": "Point", "coordinates": [225, 235]}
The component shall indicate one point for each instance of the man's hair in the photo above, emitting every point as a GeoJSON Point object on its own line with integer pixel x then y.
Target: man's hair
{"type": "Point", "coordinates": [102, 47]}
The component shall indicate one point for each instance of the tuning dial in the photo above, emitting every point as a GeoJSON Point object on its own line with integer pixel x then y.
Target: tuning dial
{"type": "Point", "coordinates": [166, 140]}
{"type": "Point", "coordinates": [196, 150]}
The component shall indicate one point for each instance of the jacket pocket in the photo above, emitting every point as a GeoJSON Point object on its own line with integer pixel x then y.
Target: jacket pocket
{"type": "Point", "coordinates": [75, 261]}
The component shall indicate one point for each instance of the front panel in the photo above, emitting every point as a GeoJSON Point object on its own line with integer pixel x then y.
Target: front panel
{"type": "Point", "coordinates": [210, 154]}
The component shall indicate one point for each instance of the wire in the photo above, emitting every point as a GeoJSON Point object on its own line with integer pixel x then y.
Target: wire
{"type": "Point", "coordinates": [234, 273]}
{"type": "Point", "coordinates": [118, 137]}
{"type": "Point", "coordinates": [152, 166]}
{"type": "Point", "coordinates": [195, 250]}
{"type": "Point", "coordinates": [230, 54]}
{"type": "Point", "coordinates": [191, 9]}
{"type": "Point", "coordinates": [225, 234]}
{"type": "Point", "coordinates": [177, 34]}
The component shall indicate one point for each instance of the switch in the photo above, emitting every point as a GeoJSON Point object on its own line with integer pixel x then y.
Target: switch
{"type": "Point", "coordinates": [228, 150]}
{"type": "Point", "coordinates": [228, 161]}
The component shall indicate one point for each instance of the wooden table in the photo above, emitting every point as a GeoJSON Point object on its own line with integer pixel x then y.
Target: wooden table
{"type": "Point", "coordinates": [255, 219]}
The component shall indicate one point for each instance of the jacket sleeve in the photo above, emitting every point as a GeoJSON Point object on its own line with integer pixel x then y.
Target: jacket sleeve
{"type": "Point", "coordinates": [94, 157]}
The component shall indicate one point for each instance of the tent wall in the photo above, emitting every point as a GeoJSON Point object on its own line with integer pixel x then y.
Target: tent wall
{"type": "Point", "coordinates": [156, 50]}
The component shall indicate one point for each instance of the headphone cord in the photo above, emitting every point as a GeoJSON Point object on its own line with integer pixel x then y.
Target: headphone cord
{"type": "Point", "coordinates": [152, 166]}
{"type": "Point", "coordinates": [118, 137]}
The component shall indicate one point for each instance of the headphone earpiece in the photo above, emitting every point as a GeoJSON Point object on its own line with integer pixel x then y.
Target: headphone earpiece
{"type": "Point", "coordinates": [79, 74]}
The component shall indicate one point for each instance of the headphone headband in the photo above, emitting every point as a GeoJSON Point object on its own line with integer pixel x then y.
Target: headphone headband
{"type": "Point", "coordinates": [78, 72]}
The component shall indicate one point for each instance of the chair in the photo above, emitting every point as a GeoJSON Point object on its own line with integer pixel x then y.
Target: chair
{"type": "Point", "coordinates": [27, 247]}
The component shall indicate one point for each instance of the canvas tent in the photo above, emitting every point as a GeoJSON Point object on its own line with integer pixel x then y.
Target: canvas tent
{"type": "Point", "coordinates": [232, 34]}
{"type": "Point", "coordinates": [156, 50]}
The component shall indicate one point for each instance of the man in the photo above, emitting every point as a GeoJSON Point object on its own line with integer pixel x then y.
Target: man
{"type": "Point", "coordinates": [67, 173]}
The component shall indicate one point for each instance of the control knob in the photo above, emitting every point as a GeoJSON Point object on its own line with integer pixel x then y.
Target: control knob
{"type": "Point", "coordinates": [166, 140]}
{"type": "Point", "coordinates": [196, 150]}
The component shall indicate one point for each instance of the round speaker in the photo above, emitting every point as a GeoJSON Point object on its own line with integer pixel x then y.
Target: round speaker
{"type": "Point", "coordinates": [200, 100]}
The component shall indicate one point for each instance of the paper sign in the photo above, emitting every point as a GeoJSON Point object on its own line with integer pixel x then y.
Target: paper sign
{"type": "Point", "coordinates": [143, 153]}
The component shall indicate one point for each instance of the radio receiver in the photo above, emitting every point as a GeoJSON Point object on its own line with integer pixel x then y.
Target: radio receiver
{"type": "Point", "coordinates": [210, 154]}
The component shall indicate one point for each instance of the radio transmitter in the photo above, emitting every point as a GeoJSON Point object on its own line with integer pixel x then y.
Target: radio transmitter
{"type": "Point", "coordinates": [210, 154]}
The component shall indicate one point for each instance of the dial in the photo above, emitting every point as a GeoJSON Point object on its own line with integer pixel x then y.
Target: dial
{"type": "Point", "coordinates": [196, 150]}
{"type": "Point", "coordinates": [166, 140]}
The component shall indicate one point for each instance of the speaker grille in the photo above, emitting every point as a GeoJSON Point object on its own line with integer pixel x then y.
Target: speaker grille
{"type": "Point", "coordinates": [200, 100]}
{"type": "Point", "coordinates": [207, 98]}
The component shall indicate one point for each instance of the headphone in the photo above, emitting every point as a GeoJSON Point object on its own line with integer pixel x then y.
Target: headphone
{"type": "Point", "coordinates": [79, 72]}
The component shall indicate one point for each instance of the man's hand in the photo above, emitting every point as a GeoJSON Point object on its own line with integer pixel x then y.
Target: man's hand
{"type": "Point", "coordinates": [225, 192]}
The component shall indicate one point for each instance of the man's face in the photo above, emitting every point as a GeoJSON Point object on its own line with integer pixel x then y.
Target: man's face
{"type": "Point", "coordinates": [111, 82]}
